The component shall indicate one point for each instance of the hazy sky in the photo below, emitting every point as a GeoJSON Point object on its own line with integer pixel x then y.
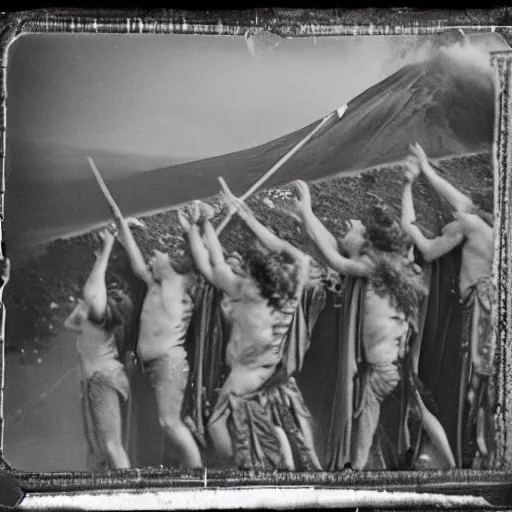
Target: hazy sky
{"type": "Point", "coordinates": [182, 97]}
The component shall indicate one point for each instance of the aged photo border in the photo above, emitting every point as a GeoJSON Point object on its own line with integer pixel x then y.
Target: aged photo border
{"type": "Point", "coordinates": [494, 485]}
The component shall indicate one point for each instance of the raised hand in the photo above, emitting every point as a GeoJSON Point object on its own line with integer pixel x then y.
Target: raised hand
{"type": "Point", "coordinates": [412, 169]}
{"type": "Point", "coordinates": [132, 221]}
{"type": "Point", "coordinates": [232, 202]}
{"type": "Point", "coordinates": [184, 220]}
{"type": "Point", "coordinates": [303, 200]}
{"type": "Point", "coordinates": [420, 154]}
{"type": "Point", "coordinates": [107, 238]}
{"type": "Point", "coordinates": [227, 196]}
{"type": "Point", "coordinates": [188, 215]}
{"type": "Point", "coordinates": [113, 229]}
{"type": "Point", "coordinates": [205, 212]}
{"type": "Point", "coordinates": [194, 211]}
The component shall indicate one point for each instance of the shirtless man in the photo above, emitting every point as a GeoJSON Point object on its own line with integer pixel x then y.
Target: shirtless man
{"type": "Point", "coordinates": [389, 318]}
{"type": "Point", "coordinates": [164, 321]}
{"type": "Point", "coordinates": [472, 227]}
{"type": "Point", "coordinates": [104, 381]}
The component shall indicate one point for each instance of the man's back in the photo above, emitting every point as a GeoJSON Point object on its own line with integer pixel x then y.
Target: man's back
{"type": "Point", "coordinates": [477, 251]}
{"type": "Point", "coordinates": [95, 342]}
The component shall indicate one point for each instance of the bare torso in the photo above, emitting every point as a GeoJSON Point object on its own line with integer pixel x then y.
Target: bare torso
{"type": "Point", "coordinates": [384, 329]}
{"type": "Point", "coordinates": [477, 251]}
{"type": "Point", "coordinates": [255, 345]}
{"type": "Point", "coordinates": [165, 317]}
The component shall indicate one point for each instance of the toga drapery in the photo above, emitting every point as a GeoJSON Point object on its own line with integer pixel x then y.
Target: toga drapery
{"type": "Point", "coordinates": [322, 354]}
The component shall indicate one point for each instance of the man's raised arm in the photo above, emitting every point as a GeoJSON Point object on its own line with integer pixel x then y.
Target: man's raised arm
{"type": "Point", "coordinates": [208, 255]}
{"type": "Point", "coordinates": [212, 242]}
{"type": "Point", "coordinates": [323, 239]}
{"type": "Point", "coordinates": [264, 235]}
{"type": "Point", "coordinates": [126, 238]}
{"type": "Point", "coordinates": [312, 223]}
{"type": "Point", "coordinates": [431, 248]}
{"type": "Point", "coordinates": [136, 258]}
{"type": "Point", "coordinates": [457, 199]}
{"type": "Point", "coordinates": [408, 213]}
{"type": "Point", "coordinates": [95, 288]}
{"type": "Point", "coordinates": [200, 253]}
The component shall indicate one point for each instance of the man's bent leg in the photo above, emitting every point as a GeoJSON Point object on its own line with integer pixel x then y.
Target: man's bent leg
{"type": "Point", "coordinates": [220, 437]}
{"type": "Point", "coordinates": [181, 437]}
{"type": "Point", "coordinates": [364, 428]}
{"type": "Point", "coordinates": [170, 386]}
{"type": "Point", "coordinates": [106, 410]}
{"type": "Point", "coordinates": [381, 381]}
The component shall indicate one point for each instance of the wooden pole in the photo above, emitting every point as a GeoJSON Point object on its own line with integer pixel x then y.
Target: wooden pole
{"type": "Point", "coordinates": [339, 113]}
{"type": "Point", "coordinates": [108, 196]}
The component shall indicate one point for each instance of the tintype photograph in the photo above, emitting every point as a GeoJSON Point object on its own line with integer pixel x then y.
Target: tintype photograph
{"type": "Point", "coordinates": [253, 252]}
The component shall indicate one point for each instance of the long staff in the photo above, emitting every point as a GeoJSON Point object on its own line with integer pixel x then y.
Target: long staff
{"type": "Point", "coordinates": [336, 115]}
{"type": "Point", "coordinates": [108, 196]}
{"type": "Point", "coordinates": [116, 212]}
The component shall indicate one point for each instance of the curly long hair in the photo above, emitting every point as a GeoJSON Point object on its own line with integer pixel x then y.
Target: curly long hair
{"type": "Point", "coordinates": [384, 233]}
{"type": "Point", "coordinates": [123, 302]}
{"type": "Point", "coordinates": [401, 281]}
{"type": "Point", "coordinates": [182, 262]}
{"type": "Point", "coordinates": [276, 275]}
{"type": "Point", "coordinates": [393, 275]}
{"type": "Point", "coordinates": [184, 267]}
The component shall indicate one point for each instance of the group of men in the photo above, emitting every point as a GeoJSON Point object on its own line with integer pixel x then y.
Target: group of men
{"type": "Point", "coordinates": [259, 418]}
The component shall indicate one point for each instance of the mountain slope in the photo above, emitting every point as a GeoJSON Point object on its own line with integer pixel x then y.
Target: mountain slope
{"type": "Point", "coordinates": [445, 103]}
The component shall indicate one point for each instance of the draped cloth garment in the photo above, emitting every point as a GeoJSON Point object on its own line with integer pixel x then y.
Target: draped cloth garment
{"type": "Point", "coordinates": [479, 346]}
{"type": "Point", "coordinates": [356, 436]}
{"type": "Point", "coordinates": [278, 402]}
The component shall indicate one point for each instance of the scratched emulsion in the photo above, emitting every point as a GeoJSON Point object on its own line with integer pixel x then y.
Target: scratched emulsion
{"type": "Point", "coordinates": [502, 268]}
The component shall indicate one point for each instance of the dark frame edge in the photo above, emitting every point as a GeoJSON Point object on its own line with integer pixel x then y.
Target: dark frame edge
{"type": "Point", "coordinates": [285, 22]}
{"type": "Point", "coordinates": [496, 485]}
{"type": "Point", "coordinates": [11, 493]}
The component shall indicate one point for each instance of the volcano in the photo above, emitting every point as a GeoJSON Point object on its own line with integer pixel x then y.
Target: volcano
{"type": "Point", "coordinates": [445, 102]}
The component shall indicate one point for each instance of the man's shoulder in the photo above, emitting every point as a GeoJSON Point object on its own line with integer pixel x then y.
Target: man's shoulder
{"type": "Point", "coordinates": [457, 226]}
{"type": "Point", "coordinates": [474, 225]}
